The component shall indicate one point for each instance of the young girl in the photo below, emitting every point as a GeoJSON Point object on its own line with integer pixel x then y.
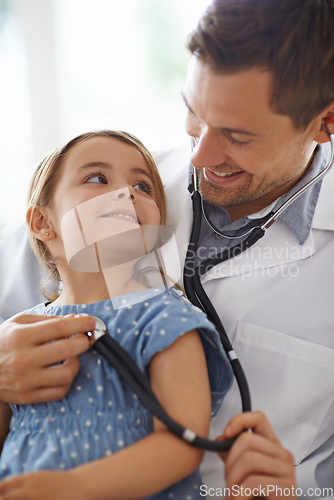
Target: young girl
{"type": "Point", "coordinates": [89, 201]}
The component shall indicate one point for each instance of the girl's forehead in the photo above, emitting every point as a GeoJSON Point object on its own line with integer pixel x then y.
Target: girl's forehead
{"type": "Point", "coordinates": [106, 147]}
{"type": "Point", "coordinates": [105, 151]}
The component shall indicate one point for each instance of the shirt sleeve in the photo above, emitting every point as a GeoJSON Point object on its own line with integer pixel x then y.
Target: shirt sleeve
{"type": "Point", "coordinates": [170, 318]}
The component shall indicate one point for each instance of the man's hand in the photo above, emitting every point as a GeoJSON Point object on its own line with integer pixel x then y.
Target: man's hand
{"type": "Point", "coordinates": [257, 459]}
{"type": "Point", "coordinates": [34, 368]}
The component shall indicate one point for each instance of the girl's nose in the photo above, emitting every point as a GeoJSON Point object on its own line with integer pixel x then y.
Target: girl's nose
{"type": "Point", "coordinates": [125, 193]}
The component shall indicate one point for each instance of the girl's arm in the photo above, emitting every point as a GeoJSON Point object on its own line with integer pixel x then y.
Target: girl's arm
{"type": "Point", "coordinates": [180, 381]}
{"type": "Point", "coordinates": [179, 377]}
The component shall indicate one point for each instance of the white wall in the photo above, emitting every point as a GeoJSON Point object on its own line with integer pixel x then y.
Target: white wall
{"type": "Point", "coordinates": [68, 66]}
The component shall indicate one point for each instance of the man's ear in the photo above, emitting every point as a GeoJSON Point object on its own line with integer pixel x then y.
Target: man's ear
{"type": "Point", "coordinates": [39, 224]}
{"type": "Point", "coordinates": [327, 124]}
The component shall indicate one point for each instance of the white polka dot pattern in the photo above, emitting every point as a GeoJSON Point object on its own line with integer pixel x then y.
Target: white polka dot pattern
{"type": "Point", "coordinates": [100, 415]}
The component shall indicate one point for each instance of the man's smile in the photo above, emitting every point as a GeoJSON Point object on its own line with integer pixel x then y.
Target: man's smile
{"type": "Point", "coordinates": [222, 178]}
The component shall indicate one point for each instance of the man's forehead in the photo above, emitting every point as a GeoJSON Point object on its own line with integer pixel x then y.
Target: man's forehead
{"type": "Point", "coordinates": [201, 76]}
{"type": "Point", "coordinates": [211, 95]}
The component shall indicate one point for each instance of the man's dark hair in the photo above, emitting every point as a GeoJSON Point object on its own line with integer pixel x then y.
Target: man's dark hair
{"type": "Point", "coordinates": [292, 38]}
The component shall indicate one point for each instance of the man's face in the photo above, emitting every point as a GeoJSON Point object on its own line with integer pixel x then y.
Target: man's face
{"type": "Point", "coordinates": [246, 153]}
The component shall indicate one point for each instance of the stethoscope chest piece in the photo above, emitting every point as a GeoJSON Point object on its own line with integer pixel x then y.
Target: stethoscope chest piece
{"type": "Point", "coordinates": [99, 330]}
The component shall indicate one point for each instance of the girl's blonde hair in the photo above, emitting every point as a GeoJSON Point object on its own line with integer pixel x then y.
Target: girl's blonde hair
{"type": "Point", "coordinates": [47, 175]}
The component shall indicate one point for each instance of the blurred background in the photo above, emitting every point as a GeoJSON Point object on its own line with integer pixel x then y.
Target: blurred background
{"type": "Point", "coordinates": [69, 66]}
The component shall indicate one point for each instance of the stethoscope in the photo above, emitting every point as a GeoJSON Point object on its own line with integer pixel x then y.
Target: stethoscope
{"type": "Point", "coordinates": [127, 368]}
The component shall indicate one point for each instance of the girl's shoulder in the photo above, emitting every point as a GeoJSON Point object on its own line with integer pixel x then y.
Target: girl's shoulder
{"type": "Point", "coordinates": [175, 301]}
{"type": "Point", "coordinates": [40, 308]}
{"type": "Point", "coordinates": [167, 316]}
{"type": "Point", "coordinates": [176, 297]}
{"type": "Point", "coordinates": [155, 305]}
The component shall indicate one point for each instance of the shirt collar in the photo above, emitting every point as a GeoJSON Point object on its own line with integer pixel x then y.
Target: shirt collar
{"type": "Point", "coordinates": [297, 217]}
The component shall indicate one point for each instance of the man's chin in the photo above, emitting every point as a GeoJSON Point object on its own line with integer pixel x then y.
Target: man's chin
{"type": "Point", "coordinates": [222, 198]}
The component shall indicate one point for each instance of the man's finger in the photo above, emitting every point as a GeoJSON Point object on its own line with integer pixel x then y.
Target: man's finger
{"type": "Point", "coordinates": [255, 420]}
{"type": "Point", "coordinates": [248, 443]}
{"type": "Point", "coordinates": [57, 328]}
{"type": "Point", "coordinates": [29, 318]}
{"type": "Point", "coordinates": [56, 352]}
{"type": "Point", "coordinates": [241, 467]}
{"type": "Point", "coordinates": [44, 384]}
{"type": "Point", "coordinates": [41, 395]}
{"type": "Point", "coordinates": [59, 375]}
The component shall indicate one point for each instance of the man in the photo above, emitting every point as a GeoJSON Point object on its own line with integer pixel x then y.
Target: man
{"type": "Point", "coordinates": [260, 99]}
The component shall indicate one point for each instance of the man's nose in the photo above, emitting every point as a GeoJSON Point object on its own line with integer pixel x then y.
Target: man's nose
{"type": "Point", "coordinates": [208, 151]}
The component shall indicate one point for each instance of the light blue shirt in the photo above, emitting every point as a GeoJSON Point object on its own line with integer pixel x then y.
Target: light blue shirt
{"type": "Point", "coordinates": [297, 217]}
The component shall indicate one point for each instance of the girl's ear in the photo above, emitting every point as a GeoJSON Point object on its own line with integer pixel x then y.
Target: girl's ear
{"type": "Point", "coordinates": [327, 124]}
{"type": "Point", "coordinates": [39, 224]}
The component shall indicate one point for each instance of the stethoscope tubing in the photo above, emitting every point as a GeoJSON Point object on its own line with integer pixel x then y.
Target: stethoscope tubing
{"type": "Point", "coordinates": [197, 295]}
{"type": "Point", "coordinates": [192, 274]}
{"type": "Point", "coordinates": [126, 367]}
{"type": "Point", "coordinates": [128, 370]}
{"type": "Point", "coordinates": [309, 184]}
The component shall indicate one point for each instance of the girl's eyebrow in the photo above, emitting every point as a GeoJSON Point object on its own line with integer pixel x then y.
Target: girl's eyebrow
{"type": "Point", "coordinates": [138, 170]}
{"type": "Point", "coordinates": [91, 164]}
{"type": "Point", "coordinates": [101, 164]}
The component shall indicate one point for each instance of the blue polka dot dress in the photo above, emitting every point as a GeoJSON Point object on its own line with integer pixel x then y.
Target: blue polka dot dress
{"type": "Point", "coordinates": [100, 415]}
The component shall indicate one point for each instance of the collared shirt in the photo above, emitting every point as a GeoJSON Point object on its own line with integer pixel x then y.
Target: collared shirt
{"type": "Point", "coordinates": [297, 217]}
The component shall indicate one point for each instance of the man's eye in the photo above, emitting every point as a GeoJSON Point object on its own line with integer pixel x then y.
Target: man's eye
{"type": "Point", "coordinates": [96, 178]}
{"type": "Point", "coordinates": [144, 186]}
{"type": "Point", "coordinates": [238, 143]}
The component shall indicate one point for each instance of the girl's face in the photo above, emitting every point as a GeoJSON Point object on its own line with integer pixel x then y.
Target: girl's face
{"type": "Point", "coordinates": [105, 188]}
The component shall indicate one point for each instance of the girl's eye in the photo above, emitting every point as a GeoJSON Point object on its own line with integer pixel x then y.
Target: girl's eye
{"type": "Point", "coordinates": [96, 178]}
{"type": "Point", "coordinates": [144, 186]}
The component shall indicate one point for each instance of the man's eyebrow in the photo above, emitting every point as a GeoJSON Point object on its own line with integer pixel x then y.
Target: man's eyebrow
{"type": "Point", "coordinates": [101, 164]}
{"type": "Point", "coordinates": [238, 131]}
{"type": "Point", "coordinates": [226, 130]}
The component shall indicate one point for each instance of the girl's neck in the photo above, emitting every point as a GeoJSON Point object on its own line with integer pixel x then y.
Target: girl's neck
{"type": "Point", "coordinates": [87, 288]}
